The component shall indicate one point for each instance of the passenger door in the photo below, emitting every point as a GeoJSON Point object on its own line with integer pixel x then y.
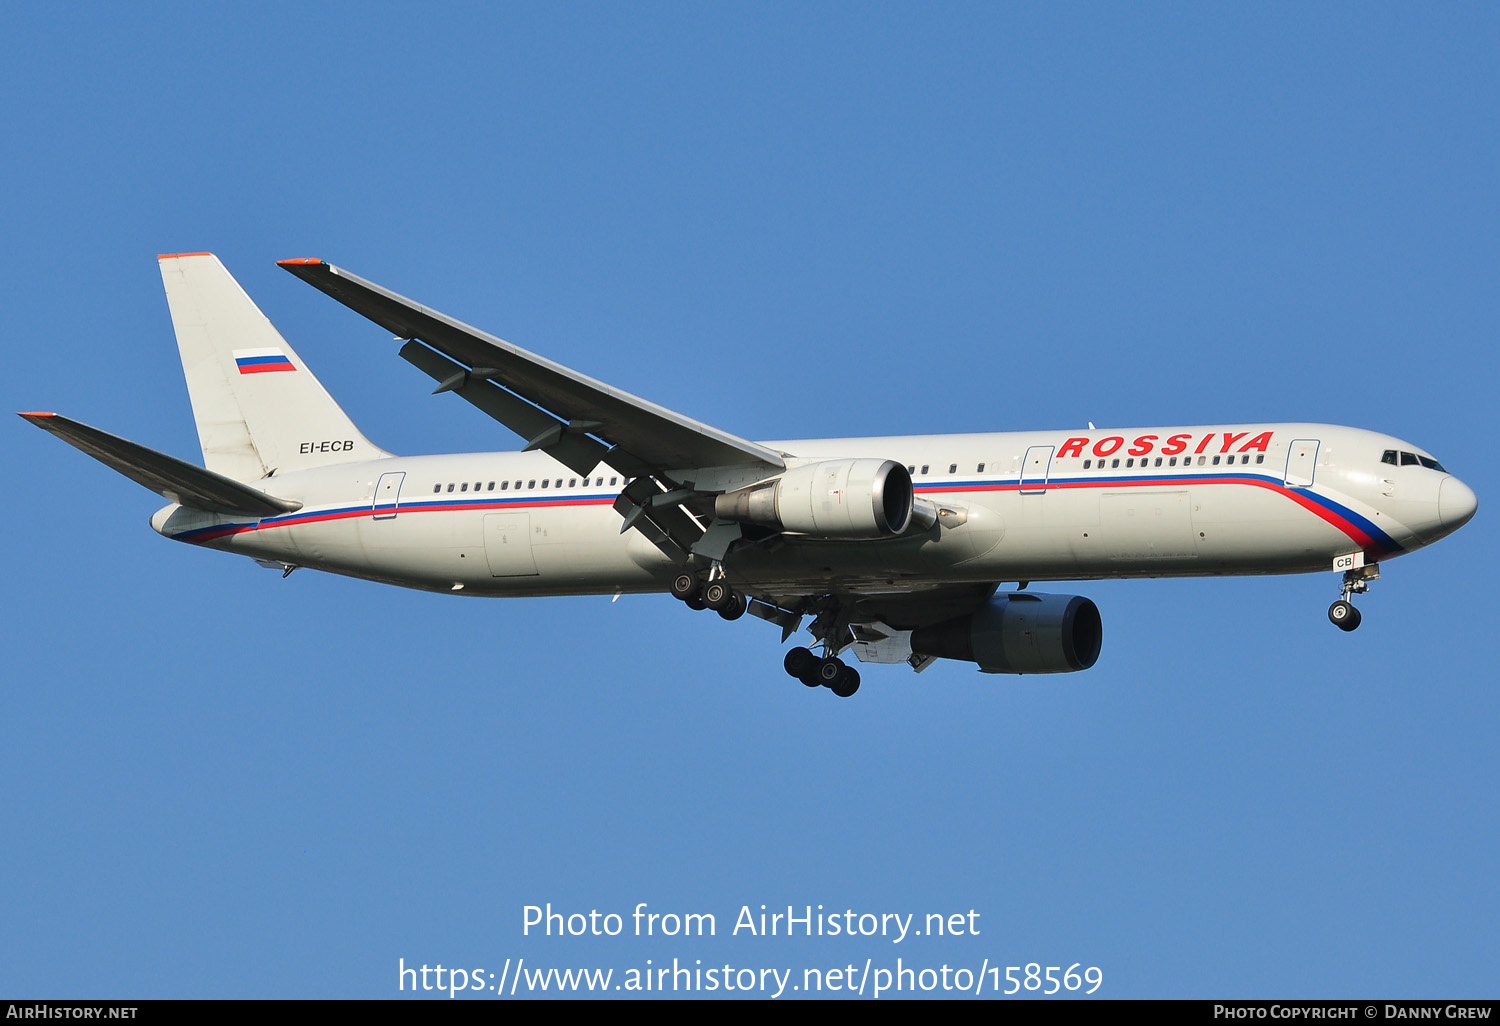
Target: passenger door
{"type": "Point", "coordinates": [1301, 462]}
{"type": "Point", "coordinates": [1034, 469]}
{"type": "Point", "coordinates": [387, 496]}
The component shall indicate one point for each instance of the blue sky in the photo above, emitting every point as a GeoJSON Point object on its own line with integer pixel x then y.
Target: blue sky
{"type": "Point", "coordinates": [789, 221]}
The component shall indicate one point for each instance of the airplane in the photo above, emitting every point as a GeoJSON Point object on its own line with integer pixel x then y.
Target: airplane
{"type": "Point", "coordinates": [895, 547]}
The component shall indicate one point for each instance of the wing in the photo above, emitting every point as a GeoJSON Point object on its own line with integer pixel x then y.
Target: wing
{"type": "Point", "coordinates": [171, 478]}
{"type": "Point", "coordinates": [578, 421]}
{"type": "Point", "coordinates": [547, 403]}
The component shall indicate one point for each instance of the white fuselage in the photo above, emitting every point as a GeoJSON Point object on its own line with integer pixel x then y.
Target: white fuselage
{"type": "Point", "coordinates": [1047, 505]}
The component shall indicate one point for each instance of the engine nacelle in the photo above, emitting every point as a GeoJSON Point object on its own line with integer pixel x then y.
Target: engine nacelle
{"type": "Point", "coordinates": [866, 498]}
{"type": "Point", "coordinates": [1020, 633]}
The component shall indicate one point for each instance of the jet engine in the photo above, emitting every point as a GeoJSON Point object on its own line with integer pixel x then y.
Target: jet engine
{"type": "Point", "coordinates": [1019, 633]}
{"type": "Point", "coordinates": [865, 498]}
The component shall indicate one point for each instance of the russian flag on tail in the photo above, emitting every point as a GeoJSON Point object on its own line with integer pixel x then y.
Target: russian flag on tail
{"type": "Point", "coordinates": [262, 361]}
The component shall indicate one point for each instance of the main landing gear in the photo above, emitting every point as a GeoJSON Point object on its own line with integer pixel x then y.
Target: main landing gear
{"type": "Point", "coordinates": [815, 671]}
{"type": "Point", "coordinates": [1342, 613]}
{"type": "Point", "coordinates": [716, 595]}
{"type": "Point", "coordinates": [832, 673]}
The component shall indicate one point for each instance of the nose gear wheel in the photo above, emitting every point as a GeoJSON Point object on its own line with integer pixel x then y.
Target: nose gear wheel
{"type": "Point", "coordinates": [1342, 613]}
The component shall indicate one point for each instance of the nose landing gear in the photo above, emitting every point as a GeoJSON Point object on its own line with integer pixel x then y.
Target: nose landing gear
{"type": "Point", "coordinates": [1342, 613]}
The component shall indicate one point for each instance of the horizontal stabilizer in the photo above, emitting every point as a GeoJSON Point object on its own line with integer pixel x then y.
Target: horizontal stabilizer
{"type": "Point", "coordinates": [174, 479]}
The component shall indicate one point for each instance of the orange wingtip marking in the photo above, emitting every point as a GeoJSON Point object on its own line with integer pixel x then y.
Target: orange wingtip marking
{"type": "Point", "coordinates": [299, 260]}
{"type": "Point", "coordinates": [36, 415]}
{"type": "Point", "coordinates": [174, 256]}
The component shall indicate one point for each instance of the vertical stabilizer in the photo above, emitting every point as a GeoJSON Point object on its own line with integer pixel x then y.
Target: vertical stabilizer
{"type": "Point", "coordinates": [258, 408]}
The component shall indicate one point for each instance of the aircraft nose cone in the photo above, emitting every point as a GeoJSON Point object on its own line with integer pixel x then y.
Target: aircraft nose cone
{"type": "Point", "coordinates": [1456, 503]}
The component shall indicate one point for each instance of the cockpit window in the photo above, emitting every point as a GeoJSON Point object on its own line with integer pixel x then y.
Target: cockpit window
{"type": "Point", "coordinates": [1411, 459]}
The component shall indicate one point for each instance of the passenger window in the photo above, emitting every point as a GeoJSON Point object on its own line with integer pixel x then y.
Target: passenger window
{"type": "Point", "coordinates": [532, 483]}
{"type": "Point", "coordinates": [953, 468]}
{"type": "Point", "coordinates": [1260, 458]}
{"type": "Point", "coordinates": [559, 482]}
{"type": "Point", "coordinates": [1244, 459]}
{"type": "Point", "coordinates": [979, 469]}
{"type": "Point", "coordinates": [912, 469]}
{"type": "Point", "coordinates": [1216, 461]}
{"type": "Point", "coordinates": [924, 468]}
{"type": "Point", "coordinates": [450, 486]}
{"type": "Point", "coordinates": [544, 483]}
{"type": "Point", "coordinates": [1408, 459]}
{"type": "Point", "coordinates": [1158, 461]}
{"type": "Point", "coordinates": [504, 486]}
{"type": "Point", "coordinates": [599, 481]}
{"type": "Point", "coordinates": [491, 488]}
{"type": "Point", "coordinates": [1129, 463]}
{"type": "Point", "coordinates": [1172, 462]}
{"type": "Point", "coordinates": [1114, 463]}
{"type": "Point", "coordinates": [1086, 464]}
{"type": "Point", "coordinates": [436, 488]}
{"type": "Point", "coordinates": [1389, 456]}
{"type": "Point", "coordinates": [612, 481]}
{"type": "Point", "coordinates": [1203, 461]}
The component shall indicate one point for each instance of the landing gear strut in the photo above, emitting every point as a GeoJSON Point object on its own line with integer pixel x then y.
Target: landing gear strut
{"type": "Point", "coordinates": [1342, 613]}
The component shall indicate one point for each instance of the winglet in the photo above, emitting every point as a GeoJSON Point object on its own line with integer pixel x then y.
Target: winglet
{"type": "Point", "coordinates": [29, 416]}
{"type": "Point", "coordinates": [300, 261]}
